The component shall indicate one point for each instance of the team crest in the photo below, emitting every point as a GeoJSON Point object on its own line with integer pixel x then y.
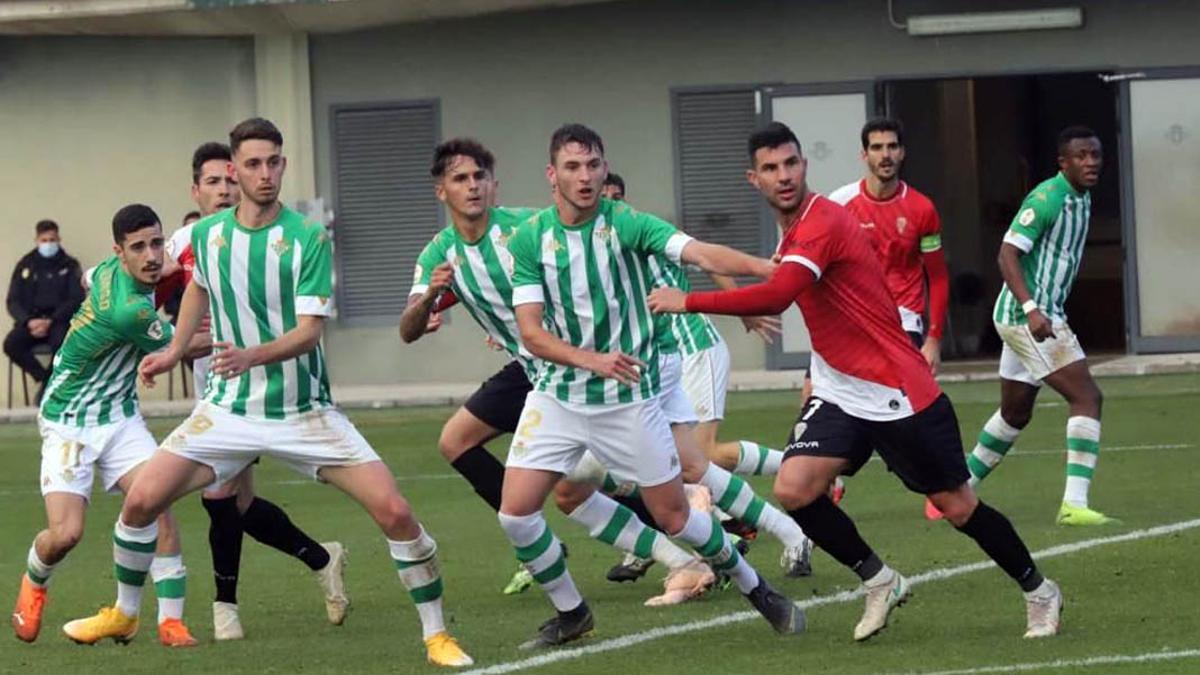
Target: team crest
{"type": "Point", "coordinates": [502, 239]}
{"type": "Point", "coordinates": [219, 241]}
{"type": "Point", "coordinates": [901, 223]}
{"type": "Point", "coordinates": [602, 232]}
{"type": "Point", "coordinates": [799, 430]}
{"type": "Point", "coordinates": [155, 329]}
{"type": "Point", "coordinates": [1026, 217]}
{"type": "Point", "coordinates": [552, 246]}
{"type": "Point", "coordinates": [143, 313]}
{"type": "Point", "coordinates": [281, 246]}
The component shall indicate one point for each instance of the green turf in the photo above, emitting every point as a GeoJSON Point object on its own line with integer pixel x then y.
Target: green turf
{"type": "Point", "coordinates": [1125, 598]}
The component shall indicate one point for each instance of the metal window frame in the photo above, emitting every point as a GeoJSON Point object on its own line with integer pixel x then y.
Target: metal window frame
{"type": "Point", "coordinates": [435, 104]}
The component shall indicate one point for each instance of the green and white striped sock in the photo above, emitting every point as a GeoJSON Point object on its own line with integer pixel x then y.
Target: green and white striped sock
{"type": "Point", "coordinates": [733, 496]}
{"type": "Point", "coordinates": [170, 585]}
{"type": "Point", "coordinates": [616, 525]}
{"type": "Point", "coordinates": [757, 460]}
{"type": "Point", "coordinates": [133, 552]}
{"type": "Point", "coordinates": [417, 563]}
{"type": "Point", "coordinates": [1083, 451]}
{"type": "Point", "coordinates": [38, 571]}
{"type": "Point", "coordinates": [541, 553]}
{"type": "Point", "coordinates": [995, 440]}
{"type": "Point", "coordinates": [704, 533]}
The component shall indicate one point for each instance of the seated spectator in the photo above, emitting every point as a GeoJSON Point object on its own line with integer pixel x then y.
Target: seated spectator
{"type": "Point", "coordinates": [44, 293]}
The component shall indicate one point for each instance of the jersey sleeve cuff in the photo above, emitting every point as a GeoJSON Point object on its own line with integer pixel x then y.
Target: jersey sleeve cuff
{"type": "Point", "coordinates": [1019, 240]}
{"type": "Point", "coordinates": [816, 269]}
{"type": "Point", "coordinates": [527, 295]}
{"type": "Point", "coordinates": [675, 246]}
{"type": "Point", "coordinates": [311, 305]}
{"type": "Point", "coordinates": [418, 289]}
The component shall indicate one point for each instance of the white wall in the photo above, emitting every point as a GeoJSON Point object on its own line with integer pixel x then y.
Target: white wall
{"type": "Point", "coordinates": [511, 79]}
{"type": "Point", "coordinates": [92, 124]}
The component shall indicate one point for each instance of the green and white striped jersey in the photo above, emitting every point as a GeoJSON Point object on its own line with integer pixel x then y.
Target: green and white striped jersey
{"type": "Point", "coordinates": [689, 333]}
{"type": "Point", "coordinates": [95, 371]}
{"type": "Point", "coordinates": [482, 277]}
{"type": "Point", "coordinates": [258, 282]}
{"type": "Point", "coordinates": [1051, 228]}
{"type": "Point", "coordinates": [593, 279]}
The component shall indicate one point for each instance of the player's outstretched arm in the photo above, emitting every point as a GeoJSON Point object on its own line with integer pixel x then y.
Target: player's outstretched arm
{"type": "Point", "coordinates": [546, 346]}
{"type": "Point", "coordinates": [191, 313]}
{"type": "Point", "coordinates": [766, 327]}
{"type": "Point", "coordinates": [717, 259]}
{"type": "Point", "coordinates": [423, 313]}
{"type": "Point", "coordinates": [770, 297]}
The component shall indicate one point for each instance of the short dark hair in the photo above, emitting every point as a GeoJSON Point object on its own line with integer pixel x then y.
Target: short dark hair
{"type": "Point", "coordinates": [1071, 133]}
{"type": "Point", "coordinates": [255, 128]}
{"type": "Point", "coordinates": [44, 226]}
{"type": "Point", "coordinates": [878, 124]}
{"type": "Point", "coordinates": [574, 133]}
{"type": "Point", "coordinates": [191, 215]}
{"type": "Point", "coordinates": [615, 179]}
{"type": "Point", "coordinates": [131, 219]}
{"type": "Point", "coordinates": [206, 153]}
{"type": "Point", "coordinates": [773, 135]}
{"type": "Point", "coordinates": [467, 147]}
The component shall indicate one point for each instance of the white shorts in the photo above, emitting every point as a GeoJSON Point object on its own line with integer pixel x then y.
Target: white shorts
{"type": "Point", "coordinates": [1024, 359]}
{"type": "Point", "coordinates": [671, 393]}
{"type": "Point", "coordinates": [705, 379]}
{"type": "Point", "coordinates": [71, 455]}
{"type": "Point", "coordinates": [633, 440]}
{"type": "Point", "coordinates": [229, 443]}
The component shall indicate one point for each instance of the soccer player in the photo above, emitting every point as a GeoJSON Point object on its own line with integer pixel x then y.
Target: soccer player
{"type": "Point", "coordinates": [469, 262]}
{"type": "Point", "coordinates": [233, 508]}
{"type": "Point", "coordinates": [1039, 260]}
{"type": "Point", "coordinates": [695, 368]}
{"type": "Point", "coordinates": [579, 287]}
{"type": "Point", "coordinates": [265, 275]}
{"type": "Point", "coordinates": [90, 423]}
{"type": "Point", "coordinates": [871, 389]}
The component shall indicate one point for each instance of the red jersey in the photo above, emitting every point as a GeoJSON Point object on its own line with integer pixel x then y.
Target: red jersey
{"type": "Point", "coordinates": [906, 232]}
{"type": "Point", "coordinates": [179, 249]}
{"type": "Point", "coordinates": [861, 359]}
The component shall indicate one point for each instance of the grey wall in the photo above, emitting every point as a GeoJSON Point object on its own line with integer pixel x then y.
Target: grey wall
{"type": "Point", "coordinates": [510, 79]}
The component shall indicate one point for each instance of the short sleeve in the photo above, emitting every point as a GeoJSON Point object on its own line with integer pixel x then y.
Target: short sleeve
{"type": "Point", "coordinates": [815, 244]}
{"type": "Point", "coordinates": [648, 233]}
{"type": "Point", "coordinates": [314, 287]}
{"type": "Point", "coordinates": [931, 233]}
{"type": "Point", "coordinates": [141, 325]}
{"type": "Point", "coordinates": [431, 256]}
{"type": "Point", "coordinates": [198, 242]}
{"type": "Point", "coordinates": [1037, 214]}
{"type": "Point", "coordinates": [527, 274]}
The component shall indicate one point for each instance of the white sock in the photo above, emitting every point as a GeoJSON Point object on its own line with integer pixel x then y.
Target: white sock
{"type": "Point", "coordinates": [417, 564]}
{"type": "Point", "coordinates": [757, 460]}
{"type": "Point", "coordinates": [1083, 451]}
{"type": "Point", "coordinates": [995, 440]}
{"type": "Point", "coordinates": [883, 576]}
{"type": "Point", "coordinates": [540, 551]}
{"type": "Point", "coordinates": [616, 525]}
{"type": "Point", "coordinates": [170, 585]}
{"type": "Point", "coordinates": [133, 552]}
{"type": "Point", "coordinates": [38, 571]}
{"type": "Point", "coordinates": [734, 495]}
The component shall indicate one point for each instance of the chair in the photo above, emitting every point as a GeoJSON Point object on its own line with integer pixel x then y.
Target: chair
{"type": "Point", "coordinates": [41, 349]}
{"type": "Point", "coordinates": [185, 374]}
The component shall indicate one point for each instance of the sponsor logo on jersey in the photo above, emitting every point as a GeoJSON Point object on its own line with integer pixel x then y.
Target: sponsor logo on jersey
{"type": "Point", "coordinates": [867, 226]}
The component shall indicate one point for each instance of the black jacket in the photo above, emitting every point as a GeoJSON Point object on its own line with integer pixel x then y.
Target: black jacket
{"type": "Point", "coordinates": [45, 287]}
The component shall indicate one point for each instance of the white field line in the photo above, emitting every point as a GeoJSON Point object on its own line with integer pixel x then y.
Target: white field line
{"type": "Point", "coordinates": [1148, 657]}
{"type": "Point", "coordinates": [937, 574]}
{"type": "Point", "coordinates": [874, 458]}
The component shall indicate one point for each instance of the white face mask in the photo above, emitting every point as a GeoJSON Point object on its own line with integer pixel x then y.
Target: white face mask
{"type": "Point", "coordinates": [48, 249]}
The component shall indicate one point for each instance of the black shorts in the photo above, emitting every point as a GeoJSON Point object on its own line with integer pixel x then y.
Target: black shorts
{"type": "Point", "coordinates": [499, 400]}
{"type": "Point", "coordinates": [924, 450]}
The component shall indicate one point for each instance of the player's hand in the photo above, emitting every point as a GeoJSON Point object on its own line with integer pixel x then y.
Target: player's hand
{"type": "Point", "coordinates": [668, 301]}
{"type": "Point", "coordinates": [434, 322]}
{"type": "Point", "coordinates": [230, 361]}
{"type": "Point", "coordinates": [620, 367]}
{"type": "Point", "coordinates": [932, 351]}
{"type": "Point", "coordinates": [1039, 326]}
{"type": "Point", "coordinates": [493, 344]}
{"type": "Point", "coordinates": [440, 279]}
{"type": "Point", "coordinates": [766, 327]}
{"type": "Point", "coordinates": [156, 364]}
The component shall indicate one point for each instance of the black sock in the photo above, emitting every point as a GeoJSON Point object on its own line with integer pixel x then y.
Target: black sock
{"type": "Point", "coordinates": [639, 509]}
{"type": "Point", "coordinates": [484, 472]}
{"type": "Point", "coordinates": [270, 525]}
{"type": "Point", "coordinates": [225, 542]}
{"type": "Point", "coordinates": [830, 528]}
{"type": "Point", "coordinates": [996, 536]}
